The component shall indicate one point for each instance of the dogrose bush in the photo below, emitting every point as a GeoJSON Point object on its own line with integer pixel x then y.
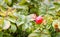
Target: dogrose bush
{"type": "Point", "coordinates": [29, 18]}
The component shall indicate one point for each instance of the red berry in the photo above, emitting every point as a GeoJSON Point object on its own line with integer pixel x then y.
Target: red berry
{"type": "Point", "coordinates": [39, 20]}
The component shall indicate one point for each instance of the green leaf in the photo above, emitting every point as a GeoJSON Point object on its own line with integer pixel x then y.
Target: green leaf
{"type": "Point", "coordinates": [28, 27]}
{"type": "Point", "coordinates": [20, 20]}
{"type": "Point", "coordinates": [1, 34]}
{"type": "Point", "coordinates": [11, 19]}
{"type": "Point", "coordinates": [40, 33]}
{"type": "Point", "coordinates": [44, 35]}
{"type": "Point", "coordinates": [34, 35]}
{"type": "Point", "coordinates": [9, 2]}
{"type": "Point", "coordinates": [1, 2]}
{"type": "Point", "coordinates": [57, 34]}
{"type": "Point", "coordinates": [6, 24]}
{"type": "Point", "coordinates": [13, 28]}
{"type": "Point", "coordinates": [22, 2]}
{"type": "Point", "coordinates": [7, 35]}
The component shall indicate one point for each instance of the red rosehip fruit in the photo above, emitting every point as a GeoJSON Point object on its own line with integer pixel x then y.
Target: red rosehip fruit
{"type": "Point", "coordinates": [39, 20]}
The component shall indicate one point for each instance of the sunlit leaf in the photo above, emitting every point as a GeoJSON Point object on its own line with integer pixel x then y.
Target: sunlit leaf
{"type": "Point", "coordinates": [6, 24]}
{"type": "Point", "coordinates": [22, 2]}
{"type": "Point", "coordinates": [12, 19]}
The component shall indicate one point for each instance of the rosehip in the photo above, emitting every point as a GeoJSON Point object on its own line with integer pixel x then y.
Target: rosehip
{"type": "Point", "coordinates": [56, 25]}
{"type": "Point", "coordinates": [39, 20]}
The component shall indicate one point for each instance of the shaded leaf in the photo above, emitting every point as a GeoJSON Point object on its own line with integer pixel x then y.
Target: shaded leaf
{"type": "Point", "coordinates": [13, 28]}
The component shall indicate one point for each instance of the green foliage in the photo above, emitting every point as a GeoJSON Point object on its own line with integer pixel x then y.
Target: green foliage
{"type": "Point", "coordinates": [16, 21]}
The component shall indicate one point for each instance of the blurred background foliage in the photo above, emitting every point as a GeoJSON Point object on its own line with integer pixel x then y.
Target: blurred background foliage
{"type": "Point", "coordinates": [16, 20]}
